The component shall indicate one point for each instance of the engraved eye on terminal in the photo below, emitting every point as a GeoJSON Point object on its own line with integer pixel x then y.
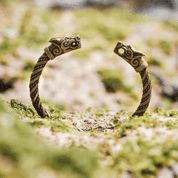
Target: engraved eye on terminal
{"type": "Point", "coordinates": [73, 44]}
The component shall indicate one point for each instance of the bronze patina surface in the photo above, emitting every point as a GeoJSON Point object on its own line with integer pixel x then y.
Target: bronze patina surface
{"type": "Point", "coordinates": [58, 47]}
{"type": "Point", "coordinates": [135, 59]}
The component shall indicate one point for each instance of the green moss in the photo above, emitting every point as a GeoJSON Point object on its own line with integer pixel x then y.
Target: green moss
{"type": "Point", "coordinates": [134, 122]}
{"type": "Point", "coordinates": [139, 157]}
{"type": "Point", "coordinates": [97, 44]}
{"type": "Point", "coordinates": [98, 47]}
{"type": "Point", "coordinates": [119, 32]}
{"type": "Point", "coordinates": [153, 61]}
{"type": "Point", "coordinates": [88, 110]}
{"type": "Point", "coordinates": [113, 81]}
{"type": "Point", "coordinates": [166, 46]}
{"type": "Point", "coordinates": [104, 24]}
{"type": "Point", "coordinates": [22, 110]}
{"type": "Point", "coordinates": [3, 60]}
{"type": "Point", "coordinates": [55, 125]}
{"type": "Point", "coordinates": [17, 140]}
{"type": "Point", "coordinates": [124, 15]}
{"type": "Point", "coordinates": [60, 126]}
{"type": "Point", "coordinates": [86, 31]}
{"type": "Point", "coordinates": [147, 121]}
{"type": "Point", "coordinates": [36, 123]}
{"type": "Point", "coordinates": [27, 70]}
{"type": "Point", "coordinates": [166, 112]}
{"type": "Point", "coordinates": [28, 65]}
{"type": "Point", "coordinates": [151, 42]}
{"type": "Point", "coordinates": [101, 112]}
{"type": "Point", "coordinates": [27, 153]}
{"type": "Point", "coordinates": [144, 158]}
{"type": "Point", "coordinates": [79, 161]}
{"type": "Point", "coordinates": [34, 32]}
{"type": "Point", "coordinates": [84, 54]}
{"type": "Point", "coordinates": [53, 107]}
{"type": "Point", "coordinates": [8, 46]}
{"type": "Point", "coordinates": [171, 24]}
{"type": "Point", "coordinates": [9, 3]}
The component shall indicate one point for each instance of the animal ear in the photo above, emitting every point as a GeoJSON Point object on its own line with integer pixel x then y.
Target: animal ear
{"type": "Point", "coordinates": [55, 41]}
{"type": "Point", "coordinates": [137, 53]}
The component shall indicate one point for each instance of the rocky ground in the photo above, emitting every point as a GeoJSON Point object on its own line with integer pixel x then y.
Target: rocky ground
{"type": "Point", "coordinates": [114, 134]}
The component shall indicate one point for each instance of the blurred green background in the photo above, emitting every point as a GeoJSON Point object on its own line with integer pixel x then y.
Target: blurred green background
{"type": "Point", "coordinates": [92, 77]}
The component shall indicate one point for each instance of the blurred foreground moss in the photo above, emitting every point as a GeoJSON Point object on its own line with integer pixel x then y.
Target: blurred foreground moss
{"type": "Point", "coordinates": [146, 159]}
{"type": "Point", "coordinates": [24, 154]}
{"type": "Point", "coordinates": [148, 121]}
{"type": "Point", "coordinates": [142, 156]}
{"type": "Point", "coordinates": [55, 123]}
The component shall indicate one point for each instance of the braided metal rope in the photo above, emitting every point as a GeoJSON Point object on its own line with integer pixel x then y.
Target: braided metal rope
{"type": "Point", "coordinates": [34, 93]}
{"type": "Point", "coordinates": [146, 96]}
{"type": "Point", "coordinates": [135, 59]}
{"type": "Point", "coordinates": [58, 47]}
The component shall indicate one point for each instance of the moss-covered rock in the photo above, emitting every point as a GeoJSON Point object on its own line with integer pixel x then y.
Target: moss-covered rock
{"type": "Point", "coordinates": [25, 153]}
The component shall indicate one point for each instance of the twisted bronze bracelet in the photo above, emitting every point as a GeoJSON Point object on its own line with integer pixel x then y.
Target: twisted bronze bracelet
{"type": "Point", "coordinates": [58, 47]}
{"type": "Point", "coordinates": [135, 59]}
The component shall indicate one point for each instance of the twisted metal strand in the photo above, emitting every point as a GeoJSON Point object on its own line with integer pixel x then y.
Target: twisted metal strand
{"type": "Point", "coordinates": [146, 96]}
{"type": "Point", "coordinates": [59, 46]}
{"type": "Point", "coordinates": [135, 59]}
{"type": "Point", "coordinates": [34, 80]}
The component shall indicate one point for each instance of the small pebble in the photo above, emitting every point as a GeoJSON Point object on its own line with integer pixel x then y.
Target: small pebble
{"type": "Point", "coordinates": [175, 169]}
{"type": "Point", "coordinates": [126, 175]}
{"type": "Point", "coordinates": [166, 173]}
{"type": "Point", "coordinates": [26, 119]}
{"type": "Point", "coordinates": [11, 33]}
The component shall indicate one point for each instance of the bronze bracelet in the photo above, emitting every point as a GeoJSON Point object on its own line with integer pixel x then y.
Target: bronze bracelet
{"type": "Point", "coordinates": [66, 44]}
{"type": "Point", "coordinates": [135, 59]}
{"type": "Point", "coordinates": [58, 47]}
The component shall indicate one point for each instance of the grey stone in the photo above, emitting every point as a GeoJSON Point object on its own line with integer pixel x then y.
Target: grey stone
{"type": "Point", "coordinates": [175, 169]}
{"type": "Point", "coordinates": [166, 173]}
{"type": "Point", "coordinates": [126, 175]}
{"type": "Point", "coordinates": [11, 33]}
